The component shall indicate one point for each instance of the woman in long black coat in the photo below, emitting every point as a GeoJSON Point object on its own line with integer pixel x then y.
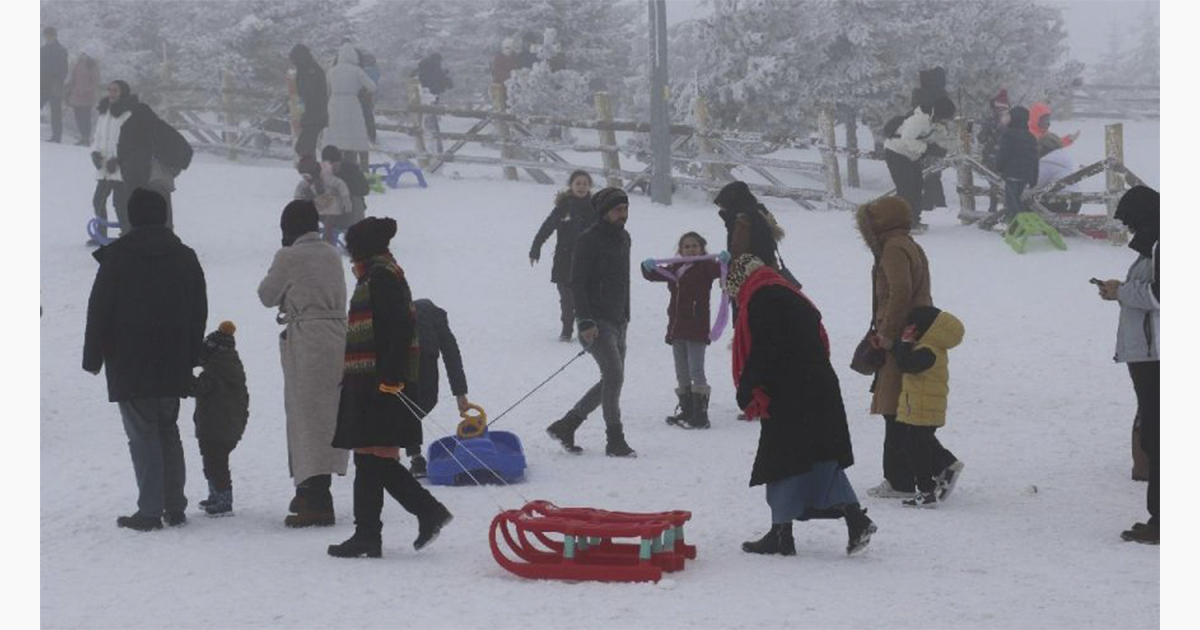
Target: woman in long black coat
{"type": "Point", "coordinates": [784, 378]}
{"type": "Point", "coordinates": [381, 370]}
{"type": "Point", "coordinates": [572, 214]}
{"type": "Point", "coordinates": [314, 92]}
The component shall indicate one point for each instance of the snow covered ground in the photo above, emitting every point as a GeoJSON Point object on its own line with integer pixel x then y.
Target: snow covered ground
{"type": "Point", "coordinates": [1038, 412]}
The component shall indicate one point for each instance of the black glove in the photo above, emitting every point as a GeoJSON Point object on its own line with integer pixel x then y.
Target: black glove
{"type": "Point", "coordinates": [111, 165]}
{"type": "Point", "coordinates": [97, 159]}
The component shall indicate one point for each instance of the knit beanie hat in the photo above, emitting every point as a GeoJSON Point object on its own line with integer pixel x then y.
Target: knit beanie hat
{"type": "Point", "coordinates": [608, 198]}
{"type": "Point", "coordinates": [146, 207]}
{"type": "Point", "coordinates": [331, 154]}
{"type": "Point", "coordinates": [370, 237]}
{"type": "Point", "coordinates": [736, 196]}
{"type": "Point", "coordinates": [222, 337]}
{"type": "Point", "coordinates": [299, 217]}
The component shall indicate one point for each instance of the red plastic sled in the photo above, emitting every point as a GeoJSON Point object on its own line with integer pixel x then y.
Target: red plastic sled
{"type": "Point", "coordinates": [582, 546]}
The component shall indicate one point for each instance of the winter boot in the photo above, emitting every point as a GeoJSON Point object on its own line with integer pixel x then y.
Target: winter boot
{"type": "Point", "coordinates": [683, 409]}
{"type": "Point", "coordinates": [221, 504]}
{"type": "Point", "coordinates": [139, 523]}
{"type": "Point", "coordinates": [174, 518]}
{"type": "Point", "coordinates": [418, 467]}
{"type": "Point", "coordinates": [368, 506]}
{"type": "Point", "coordinates": [362, 543]}
{"type": "Point", "coordinates": [616, 446]}
{"type": "Point", "coordinates": [1145, 533]}
{"type": "Point", "coordinates": [564, 432]}
{"type": "Point", "coordinates": [928, 500]}
{"type": "Point", "coordinates": [699, 419]}
{"type": "Point", "coordinates": [428, 526]}
{"type": "Point", "coordinates": [859, 527]}
{"type": "Point", "coordinates": [212, 495]}
{"type": "Point", "coordinates": [777, 541]}
{"type": "Point", "coordinates": [948, 479]}
{"type": "Point", "coordinates": [315, 506]}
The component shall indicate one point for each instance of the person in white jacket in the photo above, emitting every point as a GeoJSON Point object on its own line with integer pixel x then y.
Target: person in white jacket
{"type": "Point", "coordinates": [347, 127]}
{"type": "Point", "coordinates": [903, 151]}
{"type": "Point", "coordinates": [1056, 162]}
{"type": "Point", "coordinates": [114, 111]}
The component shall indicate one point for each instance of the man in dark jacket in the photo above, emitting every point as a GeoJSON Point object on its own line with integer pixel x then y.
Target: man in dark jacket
{"type": "Point", "coordinates": [54, 74]}
{"type": "Point", "coordinates": [151, 154]}
{"type": "Point", "coordinates": [435, 340]}
{"type": "Point", "coordinates": [600, 284]}
{"type": "Point", "coordinates": [1017, 161]}
{"type": "Point", "coordinates": [145, 326]}
{"type": "Point", "coordinates": [314, 94]}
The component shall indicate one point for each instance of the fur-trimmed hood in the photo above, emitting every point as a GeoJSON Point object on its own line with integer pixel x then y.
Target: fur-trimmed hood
{"type": "Point", "coordinates": [880, 218]}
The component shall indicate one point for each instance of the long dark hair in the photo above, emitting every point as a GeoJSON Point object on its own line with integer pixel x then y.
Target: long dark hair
{"type": "Point", "coordinates": [564, 194]}
{"type": "Point", "coordinates": [699, 239]}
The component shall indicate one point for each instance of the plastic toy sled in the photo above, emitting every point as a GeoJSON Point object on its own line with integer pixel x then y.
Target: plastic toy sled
{"type": "Point", "coordinates": [93, 230]}
{"type": "Point", "coordinates": [476, 454]}
{"type": "Point", "coordinates": [580, 543]}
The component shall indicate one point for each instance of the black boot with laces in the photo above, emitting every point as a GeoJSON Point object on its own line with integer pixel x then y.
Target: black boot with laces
{"type": "Point", "coordinates": [778, 541]}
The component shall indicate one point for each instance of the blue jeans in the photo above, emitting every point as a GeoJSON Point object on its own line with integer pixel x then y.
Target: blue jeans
{"type": "Point", "coordinates": [689, 363]}
{"type": "Point", "coordinates": [151, 424]}
{"type": "Point", "coordinates": [608, 350]}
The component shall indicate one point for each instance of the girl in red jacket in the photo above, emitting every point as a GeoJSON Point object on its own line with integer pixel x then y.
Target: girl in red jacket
{"type": "Point", "coordinates": [688, 326]}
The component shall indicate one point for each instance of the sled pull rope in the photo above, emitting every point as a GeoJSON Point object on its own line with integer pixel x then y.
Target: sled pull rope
{"type": "Point", "coordinates": [422, 414]}
{"type": "Point", "coordinates": [556, 373]}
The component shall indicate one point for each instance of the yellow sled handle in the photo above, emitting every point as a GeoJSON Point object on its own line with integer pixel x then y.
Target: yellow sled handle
{"type": "Point", "coordinates": [473, 425]}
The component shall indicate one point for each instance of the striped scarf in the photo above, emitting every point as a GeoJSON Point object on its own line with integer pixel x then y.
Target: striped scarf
{"type": "Point", "coordinates": [360, 332]}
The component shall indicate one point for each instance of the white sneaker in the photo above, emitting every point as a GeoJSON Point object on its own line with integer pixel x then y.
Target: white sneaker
{"type": "Point", "coordinates": [885, 491]}
{"type": "Point", "coordinates": [948, 479]}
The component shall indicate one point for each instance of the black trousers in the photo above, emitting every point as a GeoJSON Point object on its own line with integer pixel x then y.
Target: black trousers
{"type": "Point", "coordinates": [906, 175]}
{"type": "Point", "coordinates": [372, 476]}
{"type": "Point", "coordinates": [896, 466]}
{"type": "Point", "coordinates": [1145, 378]}
{"type": "Point", "coordinates": [566, 306]}
{"type": "Point", "coordinates": [926, 455]}
{"type": "Point", "coordinates": [306, 143]}
{"type": "Point", "coordinates": [214, 454]}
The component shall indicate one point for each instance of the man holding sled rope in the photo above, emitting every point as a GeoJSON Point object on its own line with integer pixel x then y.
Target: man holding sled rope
{"type": "Point", "coordinates": [600, 285]}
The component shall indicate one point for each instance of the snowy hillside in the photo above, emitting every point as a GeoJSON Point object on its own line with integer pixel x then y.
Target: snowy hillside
{"type": "Point", "coordinates": [1038, 412]}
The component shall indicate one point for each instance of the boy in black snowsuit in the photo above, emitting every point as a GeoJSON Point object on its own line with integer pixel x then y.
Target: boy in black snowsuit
{"type": "Point", "coordinates": [1017, 161]}
{"type": "Point", "coordinates": [222, 408]}
{"type": "Point", "coordinates": [435, 339]}
{"type": "Point", "coordinates": [348, 171]}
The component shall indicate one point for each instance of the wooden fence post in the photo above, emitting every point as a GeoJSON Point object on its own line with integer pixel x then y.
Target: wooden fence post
{"type": "Point", "coordinates": [418, 134]}
{"type": "Point", "coordinates": [966, 178]}
{"type": "Point", "coordinates": [612, 158]}
{"type": "Point", "coordinates": [833, 179]}
{"type": "Point", "coordinates": [230, 137]}
{"type": "Point", "coordinates": [1114, 181]}
{"type": "Point", "coordinates": [499, 105]}
{"type": "Point", "coordinates": [852, 179]}
{"type": "Point", "coordinates": [702, 141]}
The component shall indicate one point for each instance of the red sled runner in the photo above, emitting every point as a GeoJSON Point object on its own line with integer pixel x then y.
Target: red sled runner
{"type": "Point", "coordinates": [583, 546]}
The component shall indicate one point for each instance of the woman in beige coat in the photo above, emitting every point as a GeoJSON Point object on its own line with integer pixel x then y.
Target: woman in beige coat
{"type": "Point", "coordinates": [347, 128]}
{"type": "Point", "coordinates": [308, 285]}
{"type": "Point", "coordinates": [900, 277]}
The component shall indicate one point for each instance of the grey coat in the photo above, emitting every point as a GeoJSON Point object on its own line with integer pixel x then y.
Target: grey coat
{"type": "Point", "coordinates": [347, 128]}
{"type": "Point", "coordinates": [306, 282]}
{"type": "Point", "coordinates": [1137, 329]}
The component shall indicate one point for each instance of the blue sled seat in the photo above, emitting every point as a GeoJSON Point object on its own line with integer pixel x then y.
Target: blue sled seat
{"type": "Point", "coordinates": [450, 460]}
{"type": "Point", "coordinates": [393, 170]}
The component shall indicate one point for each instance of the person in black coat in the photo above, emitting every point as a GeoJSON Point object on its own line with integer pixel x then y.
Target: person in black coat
{"type": "Point", "coordinates": [433, 76]}
{"type": "Point", "coordinates": [436, 340]}
{"type": "Point", "coordinates": [151, 154]}
{"type": "Point", "coordinates": [222, 408]}
{"type": "Point", "coordinates": [784, 378]}
{"type": "Point", "coordinates": [572, 214]}
{"type": "Point", "coordinates": [54, 75]}
{"type": "Point", "coordinates": [1017, 161]}
{"type": "Point", "coordinates": [600, 285]}
{"type": "Point", "coordinates": [376, 415]}
{"type": "Point", "coordinates": [314, 94]}
{"type": "Point", "coordinates": [145, 327]}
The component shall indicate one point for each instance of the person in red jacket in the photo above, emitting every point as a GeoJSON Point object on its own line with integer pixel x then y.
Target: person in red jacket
{"type": "Point", "coordinates": [688, 326]}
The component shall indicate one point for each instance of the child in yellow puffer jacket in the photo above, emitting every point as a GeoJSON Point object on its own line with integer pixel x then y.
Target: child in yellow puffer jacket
{"type": "Point", "coordinates": [922, 358]}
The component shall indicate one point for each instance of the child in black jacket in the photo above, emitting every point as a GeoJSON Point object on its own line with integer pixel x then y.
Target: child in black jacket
{"type": "Point", "coordinates": [348, 171]}
{"type": "Point", "coordinates": [222, 408]}
{"type": "Point", "coordinates": [1017, 161]}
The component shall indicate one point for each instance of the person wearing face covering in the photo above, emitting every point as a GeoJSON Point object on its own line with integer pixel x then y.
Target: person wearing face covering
{"type": "Point", "coordinates": [1137, 336]}
{"type": "Point", "coordinates": [308, 286]}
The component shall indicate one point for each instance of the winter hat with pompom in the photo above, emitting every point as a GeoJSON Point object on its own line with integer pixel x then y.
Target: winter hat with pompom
{"type": "Point", "coordinates": [222, 337]}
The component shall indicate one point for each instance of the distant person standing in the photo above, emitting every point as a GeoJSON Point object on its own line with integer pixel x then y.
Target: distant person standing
{"type": "Point", "coordinates": [81, 94]}
{"type": "Point", "coordinates": [114, 110]}
{"type": "Point", "coordinates": [54, 73]}
{"type": "Point", "coordinates": [314, 95]}
{"type": "Point", "coordinates": [347, 126]}
{"type": "Point", "coordinates": [1017, 162]}
{"type": "Point", "coordinates": [572, 214]}
{"type": "Point", "coordinates": [152, 153]}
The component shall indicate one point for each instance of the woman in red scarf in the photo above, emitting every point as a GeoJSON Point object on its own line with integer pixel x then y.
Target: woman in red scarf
{"type": "Point", "coordinates": [784, 378]}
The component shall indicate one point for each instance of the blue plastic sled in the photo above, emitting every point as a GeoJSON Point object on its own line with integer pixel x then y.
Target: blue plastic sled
{"type": "Point", "coordinates": [393, 170]}
{"type": "Point", "coordinates": [93, 230]}
{"type": "Point", "coordinates": [499, 450]}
